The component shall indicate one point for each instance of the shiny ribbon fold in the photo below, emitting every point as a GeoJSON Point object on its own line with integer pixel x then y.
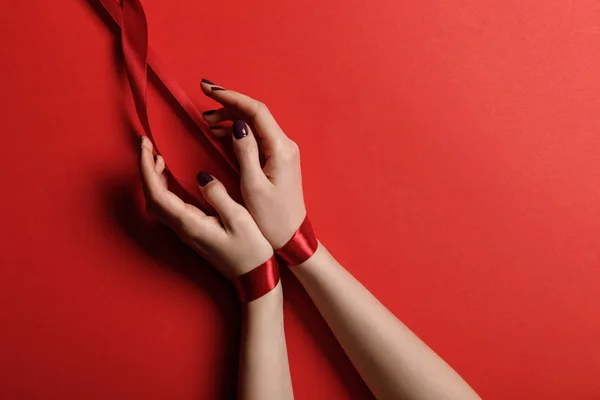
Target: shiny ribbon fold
{"type": "Point", "coordinates": [257, 282]}
{"type": "Point", "coordinates": [301, 246]}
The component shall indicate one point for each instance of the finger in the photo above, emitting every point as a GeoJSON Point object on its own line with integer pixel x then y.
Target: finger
{"type": "Point", "coordinates": [253, 111]}
{"type": "Point", "coordinates": [183, 218]}
{"type": "Point", "coordinates": [150, 179]}
{"type": "Point", "coordinates": [168, 205]}
{"type": "Point", "coordinates": [220, 131]}
{"type": "Point", "coordinates": [159, 164]}
{"type": "Point", "coordinates": [246, 150]}
{"type": "Point", "coordinates": [216, 195]}
{"type": "Point", "coordinates": [213, 117]}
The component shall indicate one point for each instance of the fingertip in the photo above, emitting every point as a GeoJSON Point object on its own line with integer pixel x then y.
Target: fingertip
{"type": "Point", "coordinates": [240, 129]}
{"type": "Point", "coordinates": [209, 87]}
{"type": "Point", "coordinates": [204, 178]}
{"type": "Point", "coordinates": [145, 142]}
{"type": "Point", "coordinates": [159, 164]}
{"type": "Point", "coordinates": [205, 87]}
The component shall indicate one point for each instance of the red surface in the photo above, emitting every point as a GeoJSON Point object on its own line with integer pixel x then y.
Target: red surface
{"type": "Point", "coordinates": [461, 139]}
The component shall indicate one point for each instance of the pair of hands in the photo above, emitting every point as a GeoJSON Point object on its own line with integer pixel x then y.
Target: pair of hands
{"type": "Point", "coordinates": [238, 239]}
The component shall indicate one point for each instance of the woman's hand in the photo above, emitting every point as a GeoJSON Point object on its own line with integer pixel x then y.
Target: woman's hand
{"type": "Point", "coordinates": [231, 242]}
{"type": "Point", "coordinates": [273, 192]}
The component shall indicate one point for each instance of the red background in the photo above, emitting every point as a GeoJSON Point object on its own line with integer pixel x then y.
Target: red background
{"type": "Point", "coordinates": [451, 161]}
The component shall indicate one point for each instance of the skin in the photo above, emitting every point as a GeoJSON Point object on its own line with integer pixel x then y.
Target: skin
{"type": "Point", "coordinates": [392, 360]}
{"type": "Point", "coordinates": [233, 243]}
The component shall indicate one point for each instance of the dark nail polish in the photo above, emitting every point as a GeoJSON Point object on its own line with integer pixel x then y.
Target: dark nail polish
{"type": "Point", "coordinates": [240, 130]}
{"type": "Point", "coordinates": [155, 157]}
{"type": "Point", "coordinates": [209, 112]}
{"type": "Point", "coordinates": [207, 81]}
{"type": "Point", "coordinates": [215, 88]}
{"type": "Point", "coordinates": [203, 178]}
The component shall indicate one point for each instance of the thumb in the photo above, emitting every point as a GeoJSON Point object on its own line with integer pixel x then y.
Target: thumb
{"type": "Point", "coordinates": [246, 150]}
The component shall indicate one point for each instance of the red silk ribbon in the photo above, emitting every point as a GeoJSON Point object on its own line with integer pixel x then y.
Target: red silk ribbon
{"type": "Point", "coordinates": [138, 55]}
{"type": "Point", "coordinates": [257, 282]}
{"type": "Point", "coordinates": [130, 17]}
{"type": "Point", "coordinates": [300, 247]}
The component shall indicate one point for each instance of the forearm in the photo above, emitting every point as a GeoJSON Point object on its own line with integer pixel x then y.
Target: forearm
{"type": "Point", "coordinates": [264, 370]}
{"type": "Point", "coordinates": [392, 360]}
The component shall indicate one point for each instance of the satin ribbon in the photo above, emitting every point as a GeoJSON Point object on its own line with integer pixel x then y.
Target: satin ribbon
{"type": "Point", "coordinates": [139, 56]}
{"type": "Point", "coordinates": [257, 282]}
{"type": "Point", "coordinates": [300, 247]}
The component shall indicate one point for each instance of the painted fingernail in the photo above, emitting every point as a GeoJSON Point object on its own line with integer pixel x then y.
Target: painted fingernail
{"type": "Point", "coordinates": [203, 178]}
{"type": "Point", "coordinates": [209, 112]}
{"type": "Point", "coordinates": [207, 81]}
{"type": "Point", "coordinates": [215, 88]}
{"type": "Point", "coordinates": [240, 130]}
{"type": "Point", "coordinates": [155, 157]}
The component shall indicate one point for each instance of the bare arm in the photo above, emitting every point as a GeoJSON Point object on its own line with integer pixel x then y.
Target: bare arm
{"type": "Point", "coordinates": [392, 360]}
{"type": "Point", "coordinates": [264, 372]}
{"type": "Point", "coordinates": [233, 244]}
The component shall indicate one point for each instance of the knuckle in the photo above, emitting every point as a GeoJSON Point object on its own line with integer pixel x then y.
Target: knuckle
{"type": "Point", "coordinates": [239, 217]}
{"type": "Point", "coordinates": [260, 110]}
{"type": "Point", "coordinates": [261, 107]}
{"type": "Point", "coordinates": [291, 151]}
{"type": "Point", "coordinates": [294, 149]}
{"type": "Point", "coordinates": [278, 147]}
{"type": "Point", "coordinates": [186, 225]}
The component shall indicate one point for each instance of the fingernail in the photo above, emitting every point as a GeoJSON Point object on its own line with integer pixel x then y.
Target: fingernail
{"type": "Point", "coordinates": [215, 88]}
{"type": "Point", "coordinates": [155, 157]}
{"type": "Point", "coordinates": [240, 130]}
{"type": "Point", "coordinates": [203, 178]}
{"type": "Point", "coordinates": [207, 81]}
{"type": "Point", "coordinates": [209, 112]}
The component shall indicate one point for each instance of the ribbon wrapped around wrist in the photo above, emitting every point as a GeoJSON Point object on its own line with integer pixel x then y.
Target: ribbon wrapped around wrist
{"type": "Point", "coordinates": [257, 282]}
{"type": "Point", "coordinates": [300, 247]}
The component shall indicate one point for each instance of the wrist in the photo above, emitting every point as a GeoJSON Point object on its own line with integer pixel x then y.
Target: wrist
{"type": "Point", "coordinates": [266, 305]}
{"type": "Point", "coordinates": [300, 247]}
{"type": "Point", "coordinates": [258, 282]}
{"type": "Point", "coordinates": [317, 258]}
